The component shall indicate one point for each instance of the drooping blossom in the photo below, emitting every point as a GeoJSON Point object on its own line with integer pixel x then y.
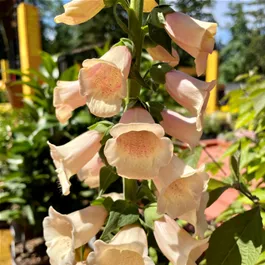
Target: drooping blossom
{"type": "Point", "coordinates": [90, 172]}
{"type": "Point", "coordinates": [149, 5]}
{"type": "Point", "coordinates": [176, 243]}
{"type": "Point", "coordinates": [103, 81]}
{"type": "Point", "coordinates": [197, 218]}
{"type": "Point", "coordinates": [191, 93]}
{"type": "Point", "coordinates": [66, 98]}
{"type": "Point", "coordinates": [79, 11]}
{"type": "Point", "coordinates": [72, 156]}
{"type": "Point", "coordinates": [181, 128]}
{"type": "Point", "coordinates": [194, 36]}
{"type": "Point", "coordinates": [64, 233]}
{"type": "Point", "coordinates": [138, 148]}
{"type": "Point", "coordinates": [129, 247]}
{"type": "Point", "coordinates": [180, 188]}
{"type": "Point", "coordinates": [158, 53]}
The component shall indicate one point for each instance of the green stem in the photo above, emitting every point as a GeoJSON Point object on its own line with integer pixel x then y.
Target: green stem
{"type": "Point", "coordinates": [135, 28]}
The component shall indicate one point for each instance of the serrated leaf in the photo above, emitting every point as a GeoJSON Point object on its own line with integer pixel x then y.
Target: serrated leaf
{"type": "Point", "coordinates": [237, 241]}
{"type": "Point", "coordinates": [122, 213]}
{"type": "Point", "coordinates": [107, 176]}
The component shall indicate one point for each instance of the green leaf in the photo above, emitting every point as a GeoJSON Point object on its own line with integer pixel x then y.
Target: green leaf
{"type": "Point", "coordinates": [122, 213]}
{"type": "Point", "coordinates": [48, 62]}
{"type": "Point", "coordinates": [145, 192]}
{"type": "Point", "coordinates": [237, 241]}
{"type": "Point", "coordinates": [101, 126]}
{"type": "Point", "coordinates": [158, 72]}
{"type": "Point", "coordinates": [29, 213]}
{"type": "Point", "coordinates": [235, 163]}
{"type": "Point", "coordinates": [193, 159]}
{"type": "Point", "coordinates": [215, 194]}
{"type": "Point", "coordinates": [108, 175]}
{"type": "Point", "coordinates": [155, 109]}
{"type": "Point", "coordinates": [259, 103]}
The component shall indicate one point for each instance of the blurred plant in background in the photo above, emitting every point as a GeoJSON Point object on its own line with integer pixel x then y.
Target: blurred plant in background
{"type": "Point", "coordinates": [28, 182]}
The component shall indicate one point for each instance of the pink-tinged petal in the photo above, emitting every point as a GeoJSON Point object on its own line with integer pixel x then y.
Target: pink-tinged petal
{"type": "Point", "coordinates": [136, 119]}
{"type": "Point", "coordinates": [181, 128]}
{"type": "Point", "coordinates": [149, 5]}
{"type": "Point", "coordinates": [158, 53]}
{"type": "Point", "coordinates": [194, 36]}
{"type": "Point", "coordinates": [64, 233]}
{"type": "Point", "coordinates": [129, 246]}
{"type": "Point", "coordinates": [197, 218]}
{"type": "Point", "coordinates": [79, 11]}
{"type": "Point", "coordinates": [90, 172]}
{"type": "Point", "coordinates": [122, 62]}
{"type": "Point", "coordinates": [138, 154]}
{"type": "Point", "coordinates": [191, 93]}
{"type": "Point", "coordinates": [71, 157]}
{"type": "Point", "coordinates": [176, 244]}
{"type": "Point", "coordinates": [103, 82]}
{"type": "Point", "coordinates": [180, 188]}
{"type": "Point", "coordinates": [66, 98]}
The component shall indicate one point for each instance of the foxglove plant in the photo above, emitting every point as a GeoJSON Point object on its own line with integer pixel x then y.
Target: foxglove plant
{"type": "Point", "coordinates": [136, 148]}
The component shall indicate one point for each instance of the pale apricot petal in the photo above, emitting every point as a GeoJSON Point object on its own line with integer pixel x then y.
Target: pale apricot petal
{"type": "Point", "coordinates": [90, 172]}
{"type": "Point", "coordinates": [138, 155]}
{"type": "Point", "coordinates": [197, 218]}
{"type": "Point", "coordinates": [129, 247]}
{"type": "Point", "coordinates": [66, 98]}
{"type": "Point", "coordinates": [71, 157]}
{"type": "Point", "coordinates": [194, 36]}
{"type": "Point", "coordinates": [149, 5]}
{"type": "Point", "coordinates": [64, 233]}
{"type": "Point", "coordinates": [176, 244]}
{"type": "Point", "coordinates": [103, 81]}
{"type": "Point", "coordinates": [136, 119]}
{"type": "Point", "coordinates": [158, 53]}
{"type": "Point", "coordinates": [180, 188]}
{"type": "Point", "coordinates": [191, 93]}
{"type": "Point", "coordinates": [79, 11]}
{"type": "Point", "coordinates": [181, 128]}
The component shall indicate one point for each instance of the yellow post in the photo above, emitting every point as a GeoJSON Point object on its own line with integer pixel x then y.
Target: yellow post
{"type": "Point", "coordinates": [4, 68]}
{"type": "Point", "coordinates": [212, 74]}
{"type": "Point", "coordinates": [29, 39]}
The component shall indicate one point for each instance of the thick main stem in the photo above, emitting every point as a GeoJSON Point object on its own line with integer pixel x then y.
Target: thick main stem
{"type": "Point", "coordinates": [135, 23]}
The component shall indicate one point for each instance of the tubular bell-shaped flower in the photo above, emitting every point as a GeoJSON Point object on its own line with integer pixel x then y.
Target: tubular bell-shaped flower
{"type": "Point", "coordinates": [138, 149]}
{"type": "Point", "coordinates": [191, 93]}
{"type": "Point", "coordinates": [103, 81]}
{"type": "Point", "coordinates": [196, 217]}
{"type": "Point", "coordinates": [176, 243]}
{"type": "Point", "coordinates": [149, 5]}
{"type": "Point", "coordinates": [180, 127]}
{"type": "Point", "coordinates": [194, 36]}
{"type": "Point", "coordinates": [129, 246]}
{"type": "Point", "coordinates": [158, 53]}
{"type": "Point", "coordinates": [180, 188]}
{"type": "Point", "coordinates": [79, 11]}
{"type": "Point", "coordinates": [90, 172]}
{"type": "Point", "coordinates": [64, 233]}
{"type": "Point", "coordinates": [71, 157]}
{"type": "Point", "coordinates": [66, 98]}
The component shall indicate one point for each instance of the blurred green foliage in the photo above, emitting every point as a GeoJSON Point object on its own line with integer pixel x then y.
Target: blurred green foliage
{"type": "Point", "coordinates": [28, 181]}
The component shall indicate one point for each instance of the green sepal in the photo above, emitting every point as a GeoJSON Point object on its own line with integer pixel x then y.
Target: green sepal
{"type": "Point", "coordinates": [101, 126]}
{"type": "Point", "coordinates": [109, 3]}
{"type": "Point", "coordinates": [128, 43]}
{"type": "Point", "coordinates": [158, 72]}
{"type": "Point", "coordinates": [157, 15]}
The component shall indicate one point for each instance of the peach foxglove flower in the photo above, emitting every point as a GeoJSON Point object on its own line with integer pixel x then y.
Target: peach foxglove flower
{"type": "Point", "coordinates": [138, 149]}
{"type": "Point", "coordinates": [71, 157]}
{"type": "Point", "coordinates": [64, 233]}
{"type": "Point", "coordinates": [180, 188]}
{"type": "Point", "coordinates": [79, 11]}
{"type": "Point", "coordinates": [66, 98]}
{"type": "Point", "coordinates": [191, 93]}
{"type": "Point", "coordinates": [149, 5]}
{"type": "Point", "coordinates": [197, 218]}
{"type": "Point", "coordinates": [176, 243]}
{"type": "Point", "coordinates": [129, 246]}
{"type": "Point", "coordinates": [103, 81]}
{"type": "Point", "coordinates": [194, 36]}
{"type": "Point", "coordinates": [90, 172]}
{"type": "Point", "coordinates": [180, 127]}
{"type": "Point", "coordinates": [159, 53]}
